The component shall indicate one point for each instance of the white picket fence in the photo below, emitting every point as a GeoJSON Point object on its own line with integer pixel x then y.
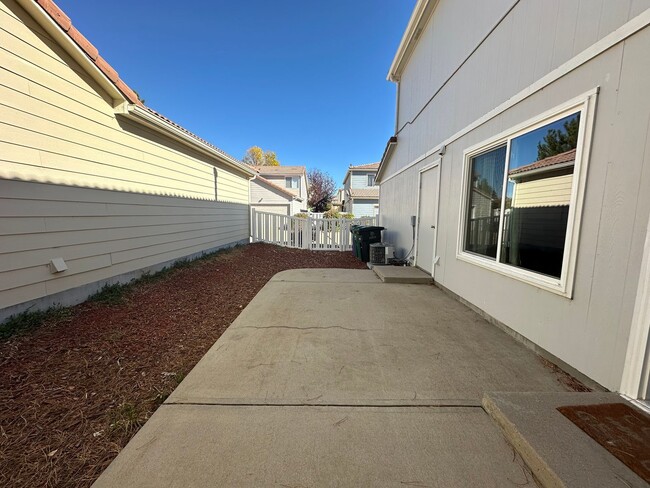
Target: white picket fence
{"type": "Point", "coordinates": [317, 234]}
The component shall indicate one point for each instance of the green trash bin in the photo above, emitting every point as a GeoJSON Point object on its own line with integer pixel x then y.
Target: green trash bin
{"type": "Point", "coordinates": [368, 235]}
{"type": "Point", "coordinates": [356, 247]}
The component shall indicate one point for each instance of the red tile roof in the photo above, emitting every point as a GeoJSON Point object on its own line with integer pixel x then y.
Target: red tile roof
{"type": "Point", "coordinates": [565, 157]}
{"type": "Point", "coordinates": [86, 46]}
{"type": "Point", "coordinates": [91, 51]}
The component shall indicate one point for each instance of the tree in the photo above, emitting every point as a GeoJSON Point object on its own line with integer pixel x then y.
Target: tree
{"type": "Point", "coordinates": [270, 159]}
{"type": "Point", "coordinates": [256, 156]}
{"type": "Point", "coordinates": [322, 188]}
{"type": "Point", "coordinates": [557, 141]}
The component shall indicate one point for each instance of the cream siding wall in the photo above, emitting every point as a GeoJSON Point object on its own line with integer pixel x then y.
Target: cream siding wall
{"type": "Point", "coordinates": [281, 182]}
{"type": "Point", "coordinates": [57, 126]}
{"type": "Point", "coordinates": [261, 194]}
{"type": "Point", "coordinates": [590, 331]}
{"type": "Point", "coordinates": [76, 181]}
{"type": "Point", "coordinates": [544, 192]}
{"type": "Point", "coordinates": [275, 209]}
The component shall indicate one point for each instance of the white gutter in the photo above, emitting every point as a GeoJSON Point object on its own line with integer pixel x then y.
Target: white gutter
{"type": "Point", "coordinates": [71, 47]}
{"type": "Point", "coordinates": [390, 147]}
{"type": "Point", "coordinates": [143, 116]}
{"type": "Point", "coordinates": [421, 14]}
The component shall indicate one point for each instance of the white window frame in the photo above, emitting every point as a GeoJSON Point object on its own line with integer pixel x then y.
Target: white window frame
{"type": "Point", "coordinates": [292, 179]}
{"type": "Point", "coordinates": [373, 180]}
{"type": "Point", "coordinates": [585, 104]}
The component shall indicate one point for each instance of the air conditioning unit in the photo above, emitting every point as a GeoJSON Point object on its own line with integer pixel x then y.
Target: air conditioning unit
{"type": "Point", "coordinates": [381, 253]}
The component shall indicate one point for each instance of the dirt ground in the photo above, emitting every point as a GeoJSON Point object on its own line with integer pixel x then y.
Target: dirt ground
{"type": "Point", "coordinates": [74, 391]}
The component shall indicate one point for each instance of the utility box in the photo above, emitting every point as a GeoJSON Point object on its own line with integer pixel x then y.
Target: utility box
{"type": "Point", "coordinates": [381, 253]}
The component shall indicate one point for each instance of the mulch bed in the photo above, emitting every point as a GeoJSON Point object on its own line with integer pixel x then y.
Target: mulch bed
{"type": "Point", "coordinates": [74, 391]}
{"type": "Point", "coordinates": [620, 428]}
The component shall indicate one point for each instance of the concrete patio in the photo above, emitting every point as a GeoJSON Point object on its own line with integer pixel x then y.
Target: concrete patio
{"type": "Point", "coordinates": [333, 378]}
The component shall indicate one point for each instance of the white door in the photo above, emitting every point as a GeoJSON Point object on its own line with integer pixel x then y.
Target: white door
{"type": "Point", "coordinates": [427, 218]}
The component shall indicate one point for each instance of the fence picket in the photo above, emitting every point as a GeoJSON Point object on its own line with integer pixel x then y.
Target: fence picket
{"type": "Point", "coordinates": [317, 234]}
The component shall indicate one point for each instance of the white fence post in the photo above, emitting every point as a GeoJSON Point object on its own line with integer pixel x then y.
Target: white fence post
{"type": "Point", "coordinates": [307, 233]}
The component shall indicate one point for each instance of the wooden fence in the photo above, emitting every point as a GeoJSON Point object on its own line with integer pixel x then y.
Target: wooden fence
{"type": "Point", "coordinates": [316, 234]}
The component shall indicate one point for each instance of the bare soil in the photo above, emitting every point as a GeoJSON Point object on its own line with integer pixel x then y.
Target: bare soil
{"type": "Point", "coordinates": [74, 391]}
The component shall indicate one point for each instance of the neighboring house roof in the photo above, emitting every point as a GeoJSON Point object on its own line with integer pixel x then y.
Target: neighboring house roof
{"type": "Point", "coordinates": [365, 166]}
{"type": "Point", "coordinates": [364, 192]}
{"type": "Point", "coordinates": [280, 170]}
{"type": "Point", "coordinates": [277, 188]}
{"type": "Point", "coordinates": [119, 86]}
{"type": "Point", "coordinates": [552, 162]}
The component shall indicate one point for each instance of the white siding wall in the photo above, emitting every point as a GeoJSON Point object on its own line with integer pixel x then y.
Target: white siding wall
{"type": "Point", "coordinates": [78, 182]}
{"type": "Point", "coordinates": [590, 331]}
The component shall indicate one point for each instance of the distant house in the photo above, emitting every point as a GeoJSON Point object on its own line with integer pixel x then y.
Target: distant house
{"type": "Point", "coordinates": [360, 193]}
{"type": "Point", "coordinates": [337, 200]}
{"type": "Point", "coordinates": [525, 158]}
{"type": "Point", "coordinates": [279, 189]}
{"type": "Point", "coordinates": [95, 187]}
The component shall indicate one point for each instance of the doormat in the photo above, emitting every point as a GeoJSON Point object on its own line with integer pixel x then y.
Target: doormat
{"type": "Point", "coordinates": [621, 429]}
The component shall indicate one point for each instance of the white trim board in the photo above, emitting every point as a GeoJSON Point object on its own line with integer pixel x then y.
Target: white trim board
{"type": "Point", "coordinates": [626, 30]}
{"type": "Point", "coordinates": [637, 360]}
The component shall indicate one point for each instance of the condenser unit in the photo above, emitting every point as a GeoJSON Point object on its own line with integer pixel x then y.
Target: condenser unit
{"type": "Point", "coordinates": [381, 253]}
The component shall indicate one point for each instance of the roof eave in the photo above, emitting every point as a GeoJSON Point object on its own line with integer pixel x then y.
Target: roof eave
{"type": "Point", "coordinates": [544, 169]}
{"type": "Point", "coordinates": [144, 117]}
{"type": "Point", "coordinates": [39, 14]}
{"type": "Point", "coordinates": [420, 16]}
{"type": "Point", "coordinates": [388, 151]}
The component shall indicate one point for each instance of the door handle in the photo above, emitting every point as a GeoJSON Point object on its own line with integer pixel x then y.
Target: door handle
{"type": "Point", "coordinates": [433, 226]}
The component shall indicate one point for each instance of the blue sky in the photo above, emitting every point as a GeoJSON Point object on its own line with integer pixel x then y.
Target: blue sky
{"type": "Point", "coordinates": [306, 79]}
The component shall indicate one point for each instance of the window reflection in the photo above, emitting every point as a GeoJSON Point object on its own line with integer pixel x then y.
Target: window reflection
{"type": "Point", "coordinates": [538, 195]}
{"type": "Point", "coordinates": [486, 188]}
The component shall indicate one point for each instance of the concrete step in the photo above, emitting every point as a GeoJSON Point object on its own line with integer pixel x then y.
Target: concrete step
{"type": "Point", "coordinates": [558, 453]}
{"type": "Point", "coordinates": [402, 274]}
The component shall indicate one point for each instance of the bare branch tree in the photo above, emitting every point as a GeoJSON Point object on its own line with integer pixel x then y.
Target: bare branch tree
{"type": "Point", "coordinates": [322, 188]}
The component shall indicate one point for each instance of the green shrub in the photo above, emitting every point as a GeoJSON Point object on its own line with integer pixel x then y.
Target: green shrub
{"type": "Point", "coordinates": [333, 214]}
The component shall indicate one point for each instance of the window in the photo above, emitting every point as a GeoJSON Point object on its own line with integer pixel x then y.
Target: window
{"type": "Point", "coordinates": [292, 182]}
{"type": "Point", "coordinates": [520, 199]}
{"type": "Point", "coordinates": [216, 177]}
{"type": "Point", "coordinates": [371, 180]}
